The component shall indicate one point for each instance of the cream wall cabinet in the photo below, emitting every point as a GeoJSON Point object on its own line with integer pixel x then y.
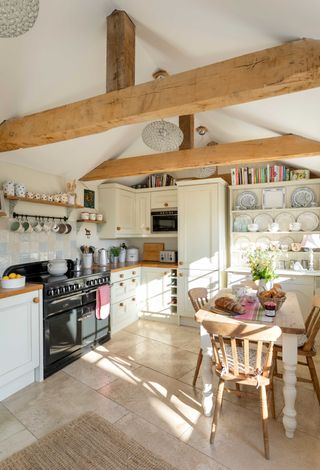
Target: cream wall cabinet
{"type": "Point", "coordinates": [20, 342]}
{"type": "Point", "coordinates": [143, 217]}
{"type": "Point", "coordinates": [118, 206]}
{"type": "Point", "coordinates": [164, 199]}
{"type": "Point", "coordinates": [124, 298]}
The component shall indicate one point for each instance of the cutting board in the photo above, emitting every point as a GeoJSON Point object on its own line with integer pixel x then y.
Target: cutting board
{"type": "Point", "coordinates": [151, 251]}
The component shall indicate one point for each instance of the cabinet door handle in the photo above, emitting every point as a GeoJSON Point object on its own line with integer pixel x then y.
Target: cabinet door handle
{"type": "Point", "coordinates": [121, 304]}
{"type": "Point", "coordinates": [133, 273]}
{"type": "Point", "coordinates": [118, 228]}
{"type": "Point", "coordinates": [165, 273]}
{"type": "Point", "coordinates": [121, 284]}
{"type": "Point", "coordinates": [36, 300]}
{"type": "Point", "coordinates": [121, 275]}
{"type": "Point", "coordinates": [133, 299]}
{"type": "Point", "coordinates": [165, 204]}
{"type": "Point", "coordinates": [133, 280]}
{"type": "Point", "coordinates": [180, 274]}
{"type": "Point", "coordinates": [181, 263]}
{"type": "Point", "coordinates": [148, 229]}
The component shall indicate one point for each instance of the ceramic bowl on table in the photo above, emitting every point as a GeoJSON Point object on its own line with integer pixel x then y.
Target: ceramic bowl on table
{"type": "Point", "coordinates": [13, 283]}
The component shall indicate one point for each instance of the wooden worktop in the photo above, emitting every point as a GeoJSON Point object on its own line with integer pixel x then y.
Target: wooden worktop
{"type": "Point", "coordinates": [143, 264]}
{"type": "Point", "coordinates": [4, 293]}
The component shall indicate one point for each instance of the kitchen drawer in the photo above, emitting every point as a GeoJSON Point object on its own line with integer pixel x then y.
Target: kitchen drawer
{"type": "Point", "coordinates": [164, 199]}
{"type": "Point", "coordinates": [124, 289]}
{"type": "Point", "coordinates": [118, 276]}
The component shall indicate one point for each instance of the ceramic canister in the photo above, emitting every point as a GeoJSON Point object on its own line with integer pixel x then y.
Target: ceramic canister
{"type": "Point", "coordinates": [20, 190]}
{"type": "Point", "coordinates": [8, 188]}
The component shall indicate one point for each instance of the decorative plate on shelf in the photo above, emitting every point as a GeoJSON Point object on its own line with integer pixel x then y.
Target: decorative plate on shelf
{"type": "Point", "coordinates": [302, 197]}
{"type": "Point", "coordinates": [284, 219]}
{"type": "Point", "coordinates": [242, 243]}
{"type": "Point", "coordinates": [263, 220]}
{"type": "Point", "coordinates": [263, 242]}
{"type": "Point", "coordinates": [247, 200]}
{"type": "Point", "coordinates": [241, 222]}
{"type": "Point", "coordinates": [309, 221]}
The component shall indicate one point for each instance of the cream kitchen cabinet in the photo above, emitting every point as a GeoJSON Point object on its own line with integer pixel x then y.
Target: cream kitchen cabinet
{"type": "Point", "coordinates": [189, 279]}
{"type": "Point", "coordinates": [202, 224]}
{"type": "Point", "coordinates": [124, 298]}
{"type": "Point", "coordinates": [163, 198]}
{"type": "Point", "coordinates": [143, 217]}
{"type": "Point", "coordinates": [20, 341]}
{"type": "Point", "coordinates": [156, 293]}
{"type": "Point", "coordinates": [118, 205]}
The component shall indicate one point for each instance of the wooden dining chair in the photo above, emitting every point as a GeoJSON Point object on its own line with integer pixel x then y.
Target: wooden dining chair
{"type": "Point", "coordinates": [306, 347]}
{"type": "Point", "coordinates": [250, 364]}
{"type": "Point", "coordinates": [198, 297]}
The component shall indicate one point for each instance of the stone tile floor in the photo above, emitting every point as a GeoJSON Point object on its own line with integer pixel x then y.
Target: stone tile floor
{"type": "Point", "coordinates": [141, 381]}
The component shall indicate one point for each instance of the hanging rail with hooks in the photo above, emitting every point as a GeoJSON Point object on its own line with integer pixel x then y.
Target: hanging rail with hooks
{"type": "Point", "coordinates": [39, 217]}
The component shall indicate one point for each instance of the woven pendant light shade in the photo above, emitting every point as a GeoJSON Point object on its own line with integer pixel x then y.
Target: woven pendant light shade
{"type": "Point", "coordinates": [17, 17]}
{"type": "Point", "coordinates": [162, 136]}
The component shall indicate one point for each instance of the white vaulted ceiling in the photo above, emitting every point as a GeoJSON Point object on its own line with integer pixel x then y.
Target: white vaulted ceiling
{"type": "Point", "coordinates": [62, 59]}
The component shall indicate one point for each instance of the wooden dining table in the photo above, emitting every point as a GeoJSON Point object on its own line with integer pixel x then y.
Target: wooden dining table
{"type": "Point", "coordinates": [290, 319]}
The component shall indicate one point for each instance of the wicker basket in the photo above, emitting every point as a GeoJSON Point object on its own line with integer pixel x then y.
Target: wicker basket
{"type": "Point", "coordinates": [279, 301]}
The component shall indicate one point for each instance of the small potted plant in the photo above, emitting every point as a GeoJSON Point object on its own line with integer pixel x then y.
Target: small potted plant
{"type": "Point", "coordinates": [115, 252]}
{"type": "Point", "coordinates": [262, 267]}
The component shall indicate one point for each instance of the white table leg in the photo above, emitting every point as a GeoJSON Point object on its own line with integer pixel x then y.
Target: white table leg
{"type": "Point", "coordinates": [206, 372]}
{"type": "Point", "coordinates": [290, 357]}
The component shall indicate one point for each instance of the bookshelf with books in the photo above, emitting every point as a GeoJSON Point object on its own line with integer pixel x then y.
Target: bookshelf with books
{"type": "Point", "coordinates": [160, 180]}
{"type": "Point", "coordinates": [267, 174]}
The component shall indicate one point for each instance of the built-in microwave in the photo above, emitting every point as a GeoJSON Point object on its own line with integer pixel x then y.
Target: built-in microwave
{"type": "Point", "coordinates": [164, 221]}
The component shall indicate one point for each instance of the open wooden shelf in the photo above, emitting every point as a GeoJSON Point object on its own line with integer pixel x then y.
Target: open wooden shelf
{"type": "Point", "coordinates": [91, 221]}
{"type": "Point", "coordinates": [40, 201]}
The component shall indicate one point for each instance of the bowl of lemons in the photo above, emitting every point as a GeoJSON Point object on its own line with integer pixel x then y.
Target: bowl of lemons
{"type": "Point", "coordinates": [13, 281]}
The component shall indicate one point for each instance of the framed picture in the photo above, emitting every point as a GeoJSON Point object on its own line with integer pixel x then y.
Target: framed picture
{"type": "Point", "coordinates": [273, 198]}
{"type": "Point", "coordinates": [88, 199]}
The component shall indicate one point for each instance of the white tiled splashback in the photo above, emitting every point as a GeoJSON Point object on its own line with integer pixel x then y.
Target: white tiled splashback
{"type": "Point", "coordinates": [27, 247]}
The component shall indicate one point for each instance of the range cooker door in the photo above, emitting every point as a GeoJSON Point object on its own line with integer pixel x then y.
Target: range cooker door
{"type": "Point", "coordinates": [92, 329]}
{"type": "Point", "coordinates": [62, 335]}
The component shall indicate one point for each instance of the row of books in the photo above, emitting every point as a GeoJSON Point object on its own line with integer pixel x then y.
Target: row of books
{"type": "Point", "coordinates": [159, 180]}
{"type": "Point", "coordinates": [268, 174]}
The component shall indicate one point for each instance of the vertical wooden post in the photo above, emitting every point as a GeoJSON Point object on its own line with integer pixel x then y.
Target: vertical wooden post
{"type": "Point", "coordinates": [120, 51]}
{"type": "Point", "coordinates": [186, 124]}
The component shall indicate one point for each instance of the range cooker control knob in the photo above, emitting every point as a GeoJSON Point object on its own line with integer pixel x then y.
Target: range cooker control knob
{"type": "Point", "coordinates": [72, 288]}
{"type": "Point", "coordinates": [60, 290]}
{"type": "Point", "coordinates": [66, 289]}
{"type": "Point", "coordinates": [55, 291]}
{"type": "Point", "coordinates": [100, 281]}
{"type": "Point", "coordinates": [50, 292]}
{"type": "Point", "coordinates": [76, 286]}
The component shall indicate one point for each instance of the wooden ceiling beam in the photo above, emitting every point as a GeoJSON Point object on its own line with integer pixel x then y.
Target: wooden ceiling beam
{"type": "Point", "coordinates": [288, 68]}
{"type": "Point", "coordinates": [121, 34]}
{"type": "Point", "coordinates": [235, 153]}
{"type": "Point", "coordinates": [186, 124]}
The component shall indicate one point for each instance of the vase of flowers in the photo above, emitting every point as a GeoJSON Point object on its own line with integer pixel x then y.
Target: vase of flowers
{"type": "Point", "coordinates": [262, 267]}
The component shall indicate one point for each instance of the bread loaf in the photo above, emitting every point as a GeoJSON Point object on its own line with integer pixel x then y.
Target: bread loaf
{"type": "Point", "coordinates": [225, 303]}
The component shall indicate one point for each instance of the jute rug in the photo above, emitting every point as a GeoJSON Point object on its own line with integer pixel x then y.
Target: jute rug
{"type": "Point", "coordinates": [87, 443]}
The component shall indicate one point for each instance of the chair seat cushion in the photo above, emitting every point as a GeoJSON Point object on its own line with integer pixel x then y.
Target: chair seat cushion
{"type": "Point", "coordinates": [241, 367]}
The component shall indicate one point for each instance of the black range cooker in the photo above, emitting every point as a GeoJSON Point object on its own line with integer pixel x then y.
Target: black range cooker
{"type": "Point", "coordinates": [70, 326]}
